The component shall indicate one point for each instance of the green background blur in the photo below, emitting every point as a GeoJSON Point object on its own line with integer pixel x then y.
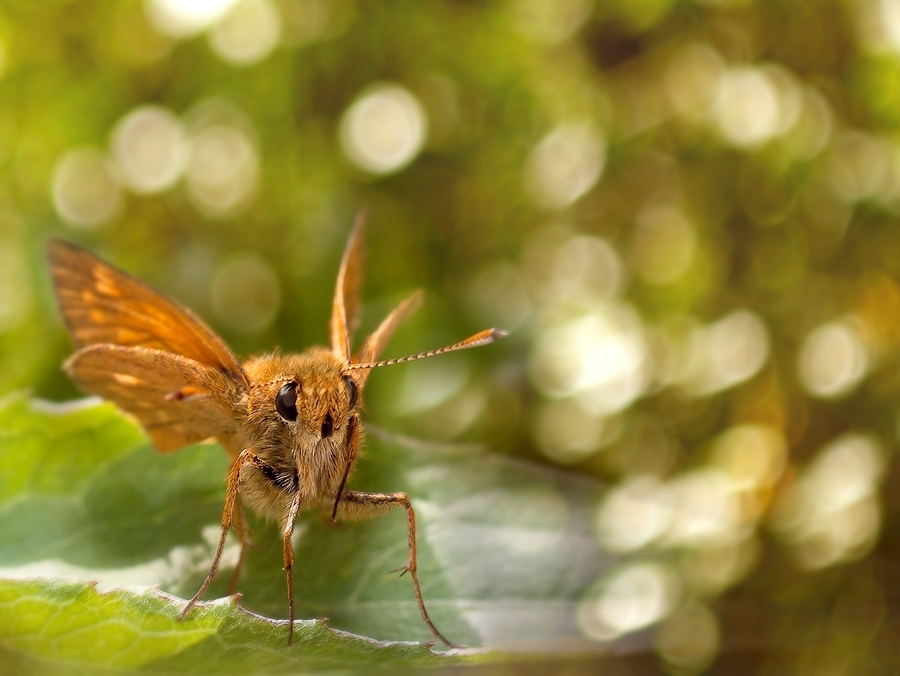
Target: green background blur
{"type": "Point", "coordinates": [686, 212]}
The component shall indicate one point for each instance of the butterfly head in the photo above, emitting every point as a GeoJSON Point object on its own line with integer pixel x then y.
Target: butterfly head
{"type": "Point", "coordinates": [303, 398]}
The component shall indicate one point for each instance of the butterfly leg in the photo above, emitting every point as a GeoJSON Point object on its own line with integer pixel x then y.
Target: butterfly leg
{"type": "Point", "coordinates": [246, 457]}
{"type": "Point", "coordinates": [361, 505]}
{"type": "Point", "coordinates": [287, 532]}
{"type": "Point", "coordinates": [352, 447]}
{"type": "Point", "coordinates": [242, 528]}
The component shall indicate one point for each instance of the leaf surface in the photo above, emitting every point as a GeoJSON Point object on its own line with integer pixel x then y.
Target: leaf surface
{"type": "Point", "coordinates": [506, 550]}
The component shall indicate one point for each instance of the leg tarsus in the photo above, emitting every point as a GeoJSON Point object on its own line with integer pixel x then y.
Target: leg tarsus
{"type": "Point", "coordinates": [243, 532]}
{"type": "Point", "coordinates": [403, 570]}
{"type": "Point", "coordinates": [231, 495]}
{"type": "Point", "coordinates": [290, 518]}
{"type": "Point", "coordinates": [379, 500]}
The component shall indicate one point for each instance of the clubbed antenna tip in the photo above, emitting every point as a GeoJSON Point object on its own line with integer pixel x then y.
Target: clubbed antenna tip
{"type": "Point", "coordinates": [485, 337]}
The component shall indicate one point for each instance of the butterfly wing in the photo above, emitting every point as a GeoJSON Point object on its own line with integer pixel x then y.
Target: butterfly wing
{"type": "Point", "coordinates": [177, 400]}
{"type": "Point", "coordinates": [345, 308]}
{"type": "Point", "coordinates": [148, 355]}
{"type": "Point", "coordinates": [376, 342]}
{"type": "Point", "coordinates": [102, 304]}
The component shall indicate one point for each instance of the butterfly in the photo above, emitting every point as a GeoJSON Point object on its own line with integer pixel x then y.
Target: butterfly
{"type": "Point", "coordinates": [289, 422]}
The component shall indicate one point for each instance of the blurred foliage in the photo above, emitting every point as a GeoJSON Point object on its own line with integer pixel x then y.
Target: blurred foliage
{"type": "Point", "coordinates": [685, 211]}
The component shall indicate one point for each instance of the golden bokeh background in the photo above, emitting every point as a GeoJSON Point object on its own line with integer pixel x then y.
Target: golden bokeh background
{"type": "Point", "coordinates": [687, 213]}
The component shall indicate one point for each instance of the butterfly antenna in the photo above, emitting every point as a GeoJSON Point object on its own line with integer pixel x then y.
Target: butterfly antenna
{"type": "Point", "coordinates": [485, 337]}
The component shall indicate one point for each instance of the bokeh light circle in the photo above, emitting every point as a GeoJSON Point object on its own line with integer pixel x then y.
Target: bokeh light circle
{"type": "Point", "coordinates": [383, 129]}
{"type": "Point", "coordinates": [247, 33]}
{"type": "Point", "coordinates": [86, 188]}
{"type": "Point", "coordinates": [245, 293]}
{"type": "Point", "coordinates": [150, 148]}
{"type": "Point", "coordinates": [564, 165]}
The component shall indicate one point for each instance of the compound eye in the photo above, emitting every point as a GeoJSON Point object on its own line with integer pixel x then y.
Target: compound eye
{"type": "Point", "coordinates": [352, 389]}
{"type": "Point", "coordinates": [286, 401]}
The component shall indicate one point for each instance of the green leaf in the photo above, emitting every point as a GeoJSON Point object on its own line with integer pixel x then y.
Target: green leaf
{"type": "Point", "coordinates": [71, 622]}
{"type": "Point", "coordinates": [59, 620]}
{"type": "Point", "coordinates": [505, 552]}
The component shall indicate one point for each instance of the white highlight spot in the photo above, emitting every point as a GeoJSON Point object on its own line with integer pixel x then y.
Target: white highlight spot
{"type": "Point", "coordinates": [247, 33]}
{"type": "Point", "coordinates": [706, 510]}
{"type": "Point", "coordinates": [223, 171]}
{"type": "Point", "coordinates": [753, 457]}
{"type": "Point", "coordinates": [748, 110]}
{"type": "Point", "coordinates": [833, 359]}
{"type": "Point", "coordinates": [86, 189]}
{"type": "Point", "coordinates": [549, 22]}
{"type": "Point", "coordinates": [184, 18]}
{"type": "Point", "coordinates": [889, 21]}
{"type": "Point", "coordinates": [577, 269]}
{"type": "Point", "coordinates": [598, 357]}
{"type": "Point", "coordinates": [634, 514]}
{"type": "Point", "coordinates": [729, 352]}
{"type": "Point", "coordinates": [831, 514]}
{"type": "Point", "coordinates": [150, 148]}
{"type": "Point", "coordinates": [566, 433]}
{"type": "Point", "coordinates": [564, 165]}
{"type": "Point", "coordinates": [635, 597]}
{"type": "Point", "coordinates": [383, 129]}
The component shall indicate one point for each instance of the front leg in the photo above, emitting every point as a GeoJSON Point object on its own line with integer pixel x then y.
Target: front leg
{"type": "Point", "coordinates": [352, 447]}
{"type": "Point", "coordinates": [361, 505]}
{"type": "Point", "coordinates": [287, 532]}
{"type": "Point", "coordinates": [242, 528]}
{"type": "Point", "coordinates": [246, 457]}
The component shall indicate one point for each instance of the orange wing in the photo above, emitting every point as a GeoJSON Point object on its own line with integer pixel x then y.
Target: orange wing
{"type": "Point", "coordinates": [177, 400]}
{"type": "Point", "coordinates": [345, 308]}
{"type": "Point", "coordinates": [148, 355]}
{"type": "Point", "coordinates": [376, 342]}
{"type": "Point", "coordinates": [102, 304]}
